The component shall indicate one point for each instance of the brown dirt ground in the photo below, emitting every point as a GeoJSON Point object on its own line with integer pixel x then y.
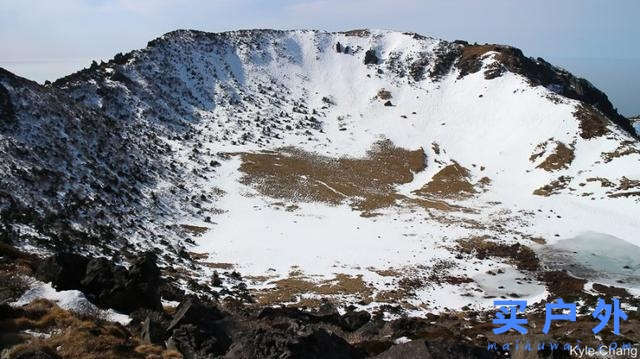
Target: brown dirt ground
{"type": "Point", "coordinates": [290, 289]}
{"type": "Point", "coordinates": [626, 148]}
{"type": "Point", "coordinates": [482, 247]}
{"type": "Point", "coordinates": [366, 183]}
{"type": "Point", "coordinates": [592, 122]}
{"type": "Point", "coordinates": [450, 182]}
{"type": "Point", "coordinates": [561, 158]}
{"type": "Point", "coordinates": [554, 187]}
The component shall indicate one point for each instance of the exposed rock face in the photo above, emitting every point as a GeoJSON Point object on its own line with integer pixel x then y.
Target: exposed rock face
{"type": "Point", "coordinates": [370, 58]}
{"type": "Point", "coordinates": [426, 350]}
{"type": "Point", "coordinates": [64, 270]}
{"type": "Point", "coordinates": [105, 284]}
{"type": "Point", "coordinates": [539, 72]}
{"type": "Point", "coordinates": [6, 107]}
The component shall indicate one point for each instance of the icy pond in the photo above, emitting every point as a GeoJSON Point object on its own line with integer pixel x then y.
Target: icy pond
{"type": "Point", "coordinates": [596, 257]}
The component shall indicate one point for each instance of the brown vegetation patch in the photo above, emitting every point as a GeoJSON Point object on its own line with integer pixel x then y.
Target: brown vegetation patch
{"type": "Point", "coordinates": [562, 285]}
{"type": "Point", "coordinates": [221, 265]}
{"type": "Point", "coordinates": [471, 59]}
{"type": "Point", "coordinates": [450, 182]}
{"type": "Point", "coordinates": [561, 158]}
{"type": "Point", "coordinates": [367, 183]}
{"type": "Point", "coordinates": [554, 187]}
{"type": "Point", "coordinates": [73, 336]}
{"type": "Point", "coordinates": [290, 289]}
{"type": "Point", "coordinates": [482, 247]}
{"type": "Point", "coordinates": [389, 272]}
{"type": "Point", "coordinates": [357, 33]}
{"type": "Point", "coordinates": [611, 291]}
{"type": "Point", "coordinates": [627, 184]}
{"type": "Point", "coordinates": [592, 122]}
{"type": "Point", "coordinates": [198, 256]}
{"type": "Point", "coordinates": [625, 194]}
{"type": "Point", "coordinates": [603, 181]}
{"type": "Point", "coordinates": [195, 230]}
{"type": "Point", "coordinates": [430, 203]}
{"type": "Point", "coordinates": [384, 95]}
{"type": "Point", "coordinates": [626, 148]}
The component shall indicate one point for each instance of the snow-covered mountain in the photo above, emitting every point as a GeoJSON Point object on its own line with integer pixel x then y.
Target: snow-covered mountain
{"type": "Point", "coordinates": [372, 166]}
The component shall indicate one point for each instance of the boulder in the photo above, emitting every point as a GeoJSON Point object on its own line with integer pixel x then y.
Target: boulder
{"type": "Point", "coordinates": [195, 311]}
{"type": "Point", "coordinates": [306, 343]}
{"type": "Point", "coordinates": [154, 329]}
{"type": "Point", "coordinates": [195, 342]}
{"type": "Point", "coordinates": [100, 277]}
{"type": "Point", "coordinates": [64, 271]}
{"type": "Point", "coordinates": [370, 57]}
{"type": "Point", "coordinates": [353, 320]}
{"type": "Point", "coordinates": [139, 288]}
{"type": "Point", "coordinates": [428, 350]}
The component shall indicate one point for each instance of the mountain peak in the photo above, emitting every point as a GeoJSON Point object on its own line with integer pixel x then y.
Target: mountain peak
{"type": "Point", "coordinates": [318, 158]}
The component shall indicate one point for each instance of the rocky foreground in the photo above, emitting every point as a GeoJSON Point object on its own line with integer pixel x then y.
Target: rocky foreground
{"type": "Point", "coordinates": [166, 322]}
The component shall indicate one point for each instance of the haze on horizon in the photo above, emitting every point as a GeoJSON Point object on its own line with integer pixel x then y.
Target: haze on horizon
{"type": "Point", "coordinates": [594, 39]}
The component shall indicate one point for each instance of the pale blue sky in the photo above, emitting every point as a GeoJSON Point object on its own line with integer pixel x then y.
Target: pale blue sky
{"type": "Point", "coordinates": [596, 39]}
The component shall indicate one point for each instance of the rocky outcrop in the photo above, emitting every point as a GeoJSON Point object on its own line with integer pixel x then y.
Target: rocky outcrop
{"type": "Point", "coordinates": [6, 107]}
{"type": "Point", "coordinates": [539, 73]}
{"type": "Point", "coordinates": [105, 284]}
{"type": "Point", "coordinates": [370, 57]}
{"type": "Point", "coordinates": [434, 350]}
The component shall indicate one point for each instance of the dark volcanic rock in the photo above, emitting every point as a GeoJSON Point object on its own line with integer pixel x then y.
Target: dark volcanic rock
{"type": "Point", "coordinates": [139, 289]}
{"type": "Point", "coordinates": [270, 343]}
{"type": "Point", "coordinates": [105, 284]}
{"type": "Point", "coordinates": [370, 57]}
{"type": "Point", "coordinates": [100, 277]}
{"type": "Point", "coordinates": [198, 330]}
{"type": "Point", "coordinates": [326, 316]}
{"type": "Point", "coordinates": [6, 107]}
{"type": "Point", "coordinates": [194, 342]}
{"type": "Point", "coordinates": [195, 311]}
{"type": "Point", "coordinates": [538, 72]}
{"type": "Point", "coordinates": [152, 330]}
{"type": "Point", "coordinates": [65, 271]}
{"type": "Point", "coordinates": [426, 350]}
{"type": "Point", "coordinates": [354, 320]}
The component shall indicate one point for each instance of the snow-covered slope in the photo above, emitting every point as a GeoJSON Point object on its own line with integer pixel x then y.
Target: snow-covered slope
{"type": "Point", "coordinates": [373, 166]}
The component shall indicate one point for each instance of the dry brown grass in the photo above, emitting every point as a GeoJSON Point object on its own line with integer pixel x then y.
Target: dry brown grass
{"type": "Point", "coordinates": [366, 183]}
{"type": "Point", "coordinates": [384, 95]}
{"type": "Point", "coordinates": [290, 289]}
{"type": "Point", "coordinates": [73, 336]}
{"type": "Point", "coordinates": [603, 181]}
{"type": "Point", "coordinates": [554, 187]}
{"type": "Point", "coordinates": [219, 265]}
{"type": "Point", "coordinates": [626, 148]}
{"type": "Point", "coordinates": [450, 182]}
{"type": "Point", "coordinates": [194, 230]}
{"type": "Point", "coordinates": [561, 158]}
{"type": "Point", "coordinates": [482, 247]}
{"type": "Point", "coordinates": [592, 122]}
{"type": "Point", "coordinates": [627, 184]}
